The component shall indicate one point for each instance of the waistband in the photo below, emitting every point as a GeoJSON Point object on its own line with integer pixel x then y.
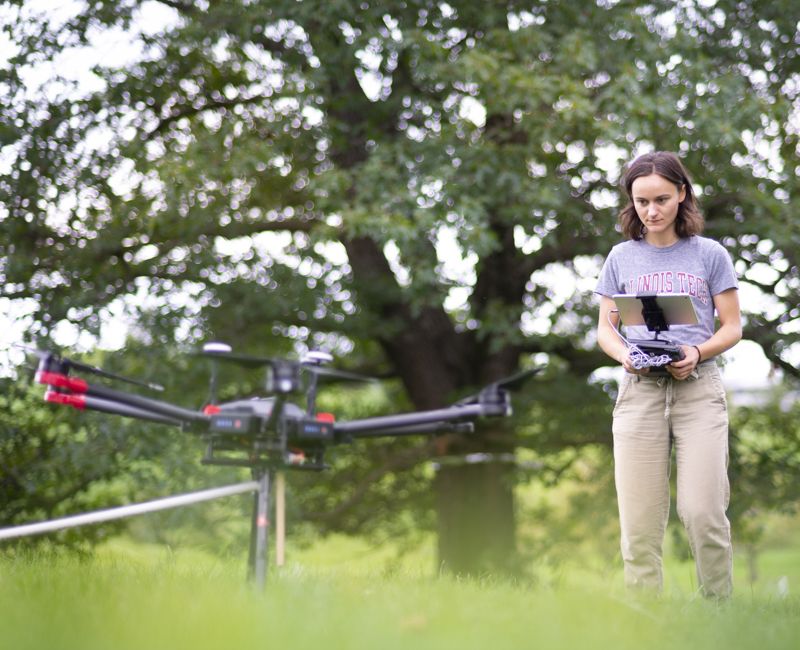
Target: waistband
{"type": "Point", "coordinates": [669, 382]}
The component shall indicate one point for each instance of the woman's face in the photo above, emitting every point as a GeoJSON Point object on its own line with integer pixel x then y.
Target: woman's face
{"type": "Point", "coordinates": [656, 202]}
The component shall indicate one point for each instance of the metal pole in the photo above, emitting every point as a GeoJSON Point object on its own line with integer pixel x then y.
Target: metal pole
{"type": "Point", "coordinates": [261, 531]}
{"type": "Point", "coordinates": [280, 518]}
{"type": "Point", "coordinates": [127, 511]}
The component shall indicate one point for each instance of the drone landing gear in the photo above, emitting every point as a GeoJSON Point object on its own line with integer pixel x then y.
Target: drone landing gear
{"type": "Point", "coordinates": [259, 530]}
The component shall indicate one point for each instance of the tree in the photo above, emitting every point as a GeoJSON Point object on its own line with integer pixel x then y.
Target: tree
{"type": "Point", "coordinates": [765, 459]}
{"type": "Point", "coordinates": [271, 170]}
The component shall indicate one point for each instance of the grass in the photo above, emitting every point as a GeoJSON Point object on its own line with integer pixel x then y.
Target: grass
{"type": "Point", "coordinates": [342, 594]}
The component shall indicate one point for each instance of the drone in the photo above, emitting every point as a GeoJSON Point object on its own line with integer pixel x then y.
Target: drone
{"type": "Point", "coordinates": [272, 433]}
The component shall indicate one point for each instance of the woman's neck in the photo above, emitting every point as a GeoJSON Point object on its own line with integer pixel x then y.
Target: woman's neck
{"type": "Point", "coordinates": [661, 239]}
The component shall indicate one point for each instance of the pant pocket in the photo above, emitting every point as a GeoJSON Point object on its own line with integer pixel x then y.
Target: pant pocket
{"type": "Point", "coordinates": [714, 380]}
{"type": "Point", "coordinates": [624, 387]}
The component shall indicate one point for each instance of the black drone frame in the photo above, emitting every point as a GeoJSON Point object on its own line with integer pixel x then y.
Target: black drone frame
{"type": "Point", "coordinates": [268, 434]}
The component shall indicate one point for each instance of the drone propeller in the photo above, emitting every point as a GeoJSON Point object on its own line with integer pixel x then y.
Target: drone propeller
{"type": "Point", "coordinates": [246, 360]}
{"type": "Point", "coordinates": [68, 364]}
{"type": "Point", "coordinates": [333, 375]}
{"type": "Point", "coordinates": [514, 382]}
{"type": "Point", "coordinates": [311, 363]}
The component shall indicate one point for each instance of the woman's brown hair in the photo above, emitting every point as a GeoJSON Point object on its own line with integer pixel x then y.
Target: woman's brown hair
{"type": "Point", "coordinates": [664, 163]}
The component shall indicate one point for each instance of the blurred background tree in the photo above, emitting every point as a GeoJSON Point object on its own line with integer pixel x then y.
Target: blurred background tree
{"type": "Point", "coordinates": [425, 188]}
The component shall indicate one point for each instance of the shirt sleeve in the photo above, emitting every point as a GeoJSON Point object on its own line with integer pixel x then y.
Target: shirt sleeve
{"type": "Point", "coordinates": [608, 283]}
{"type": "Point", "coordinates": [721, 275]}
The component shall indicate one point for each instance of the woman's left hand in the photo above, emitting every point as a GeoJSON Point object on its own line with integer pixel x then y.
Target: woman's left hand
{"type": "Point", "coordinates": [680, 370]}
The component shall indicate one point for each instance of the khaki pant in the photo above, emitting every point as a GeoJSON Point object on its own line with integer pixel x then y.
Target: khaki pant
{"type": "Point", "coordinates": [651, 415]}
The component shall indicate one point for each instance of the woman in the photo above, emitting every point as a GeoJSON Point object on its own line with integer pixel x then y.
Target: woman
{"type": "Point", "coordinates": [664, 253]}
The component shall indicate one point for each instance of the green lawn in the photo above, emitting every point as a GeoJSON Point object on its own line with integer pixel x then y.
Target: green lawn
{"type": "Point", "coordinates": [342, 594]}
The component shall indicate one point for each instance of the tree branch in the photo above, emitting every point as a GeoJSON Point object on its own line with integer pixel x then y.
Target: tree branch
{"type": "Point", "coordinates": [194, 109]}
{"type": "Point", "coordinates": [183, 7]}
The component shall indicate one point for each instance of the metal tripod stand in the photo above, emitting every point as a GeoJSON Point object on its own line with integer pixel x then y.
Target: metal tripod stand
{"type": "Point", "coordinates": [259, 529]}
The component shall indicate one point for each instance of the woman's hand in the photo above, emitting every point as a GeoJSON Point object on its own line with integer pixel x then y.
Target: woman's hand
{"type": "Point", "coordinates": [627, 363]}
{"type": "Point", "coordinates": [680, 370]}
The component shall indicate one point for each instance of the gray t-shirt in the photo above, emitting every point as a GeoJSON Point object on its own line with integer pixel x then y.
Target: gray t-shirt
{"type": "Point", "coordinates": [695, 265]}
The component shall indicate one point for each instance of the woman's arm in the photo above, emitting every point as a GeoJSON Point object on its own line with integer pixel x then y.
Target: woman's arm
{"type": "Point", "coordinates": [608, 339]}
{"type": "Point", "coordinates": [728, 334]}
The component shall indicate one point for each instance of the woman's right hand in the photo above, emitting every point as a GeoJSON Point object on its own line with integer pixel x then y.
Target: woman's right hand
{"type": "Point", "coordinates": [627, 363]}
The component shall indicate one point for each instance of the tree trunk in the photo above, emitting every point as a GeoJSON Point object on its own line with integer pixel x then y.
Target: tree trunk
{"type": "Point", "coordinates": [476, 523]}
{"type": "Point", "coordinates": [474, 501]}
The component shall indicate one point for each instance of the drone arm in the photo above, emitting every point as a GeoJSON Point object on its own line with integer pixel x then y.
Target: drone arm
{"type": "Point", "coordinates": [494, 404]}
{"type": "Point", "coordinates": [164, 409]}
{"type": "Point", "coordinates": [417, 429]}
{"type": "Point", "coordinates": [106, 406]}
{"type": "Point", "coordinates": [84, 395]}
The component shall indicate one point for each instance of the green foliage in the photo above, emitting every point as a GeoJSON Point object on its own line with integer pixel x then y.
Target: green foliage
{"type": "Point", "coordinates": [279, 174]}
{"type": "Point", "coordinates": [248, 119]}
{"type": "Point", "coordinates": [54, 463]}
{"type": "Point", "coordinates": [765, 461]}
